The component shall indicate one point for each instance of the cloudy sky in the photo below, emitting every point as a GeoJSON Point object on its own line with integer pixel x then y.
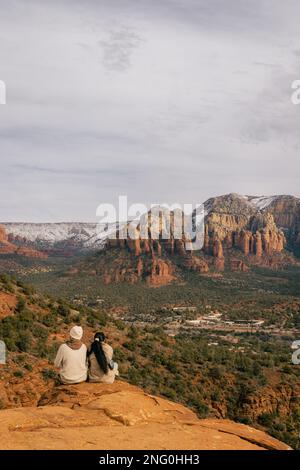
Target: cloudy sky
{"type": "Point", "coordinates": [161, 100]}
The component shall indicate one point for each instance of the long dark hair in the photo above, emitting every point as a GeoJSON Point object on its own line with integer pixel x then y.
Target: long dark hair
{"type": "Point", "coordinates": [97, 349]}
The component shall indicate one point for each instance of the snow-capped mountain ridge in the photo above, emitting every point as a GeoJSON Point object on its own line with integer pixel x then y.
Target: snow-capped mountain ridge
{"type": "Point", "coordinates": [85, 235]}
{"type": "Point", "coordinates": [89, 236]}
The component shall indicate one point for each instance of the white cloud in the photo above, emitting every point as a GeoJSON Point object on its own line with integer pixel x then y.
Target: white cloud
{"type": "Point", "coordinates": [172, 100]}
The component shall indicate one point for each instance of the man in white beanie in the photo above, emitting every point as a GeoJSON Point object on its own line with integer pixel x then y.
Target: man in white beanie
{"type": "Point", "coordinates": [71, 358]}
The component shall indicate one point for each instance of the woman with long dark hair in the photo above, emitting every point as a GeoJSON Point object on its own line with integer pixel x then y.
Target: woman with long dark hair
{"type": "Point", "coordinates": [102, 368]}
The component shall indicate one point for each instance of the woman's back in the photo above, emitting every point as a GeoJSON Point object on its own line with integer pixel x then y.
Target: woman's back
{"type": "Point", "coordinates": [96, 374]}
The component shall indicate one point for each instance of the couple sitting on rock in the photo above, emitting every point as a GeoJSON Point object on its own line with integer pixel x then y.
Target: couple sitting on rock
{"type": "Point", "coordinates": [76, 363]}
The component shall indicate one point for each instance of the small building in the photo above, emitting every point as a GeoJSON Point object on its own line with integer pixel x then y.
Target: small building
{"type": "Point", "coordinates": [193, 322]}
{"type": "Point", "coordinates": [184, 309]}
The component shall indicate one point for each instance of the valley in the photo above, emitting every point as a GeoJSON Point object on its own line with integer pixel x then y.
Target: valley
{"type": "Point", "coordinates": [211, 330]}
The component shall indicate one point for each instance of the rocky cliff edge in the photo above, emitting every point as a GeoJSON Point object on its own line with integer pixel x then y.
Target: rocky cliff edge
{"type": "Point", "coordinates": [121, 416]}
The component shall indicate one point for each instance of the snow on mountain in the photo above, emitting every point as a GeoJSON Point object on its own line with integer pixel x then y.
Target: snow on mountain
{"type": "Point", "coordinates": [84, 235]}
{"type": "Point", "coordinates": [261, 202]}
{"type": "Point", "coordinates": [92, 235]}
{"type": "Point", "coordinates": [238, 202]}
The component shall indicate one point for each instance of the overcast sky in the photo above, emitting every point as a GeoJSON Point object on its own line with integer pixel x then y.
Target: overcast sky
{"type": "Point", "coordinates": [162, 100]}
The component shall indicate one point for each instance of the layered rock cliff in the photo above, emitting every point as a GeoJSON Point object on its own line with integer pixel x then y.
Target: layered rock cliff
{"type": "Point", "coordinates": [155, 255]}
{"type": "Point", "coordinates": [5, 245]}
{"type": "Point", "coordinates": [237, 234]}
{"type": "Point", "coordinates": [121, 416]}
{"type": "Point", "coordinates": [227, 215]}
{"type": "Point", "coordinates": [286, 213]}
{"type": "Point", "coordinates": [233, 223]}
{"type": "Point", "coordinates": [240, 231]}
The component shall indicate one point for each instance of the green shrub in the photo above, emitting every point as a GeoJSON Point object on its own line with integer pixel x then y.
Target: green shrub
{"type": "Point", "coordinates": [39, 332]}
{"type": "Point", "coordinates": [5, 279]}
{"type": "Point", "coordinates": [216, 373]}
{"type": "Point", "coordinates": [19, 374]}
{"type": "Point", "coordinates": [24, 341]}
{"type": "Point", "coordinates": [19, 359]}
{"type": "Point", "coordinates": [120, 324]}
{"type": "Point", "coordinates": [28, 290]}
{"type": "Point", "coordinates": [91, 321]}
{"type": "Point", "coordinates": [266, 419]}
{"type": "Point", "coordinates": [21, 305]}
{"type": "Point", "coordinates": [130, 345]}
{"type": "Point", "coordinates": [49, 320]}
{"type": "Point", "coordinates": [49, 374]}
{"type": "Point", "coordinates": [63, 310]}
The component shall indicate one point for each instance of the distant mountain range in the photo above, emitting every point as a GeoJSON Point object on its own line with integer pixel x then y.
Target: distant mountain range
{"type": "Point", "coordinates": [239, 231]}
{"type": "Point", "coordinates": [57, 237]}
{"type": "Point", "coordinates": [286, 211]}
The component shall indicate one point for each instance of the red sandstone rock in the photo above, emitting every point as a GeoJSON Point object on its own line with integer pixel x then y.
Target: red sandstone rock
{"type": "Point", "coordinates": [234, 225]}
{"type": "Point", "coordinates": [121, 416]}
{"type": "Point", "coordinates": [193, 263]}
{"type": "Point", "coordinates": [217, 248]}
{"type": "Point", "coordinates": [219, 264]}
{"type": "Point", "coordinates": [238, 265]}
{"type": "Point", "coordinates": [7, 247]}
{"type": "Point", "coordinates": [258, 249]}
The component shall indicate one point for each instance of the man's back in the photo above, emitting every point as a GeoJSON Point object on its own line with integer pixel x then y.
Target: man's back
{"type": "Point", "coordinates": [72, 364]}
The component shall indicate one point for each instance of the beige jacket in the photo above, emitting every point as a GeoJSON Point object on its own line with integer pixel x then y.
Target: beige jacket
{"type": "Point", "coordinates": [72, 364]}
{"type": "Point", "coordinates": [95, 373]}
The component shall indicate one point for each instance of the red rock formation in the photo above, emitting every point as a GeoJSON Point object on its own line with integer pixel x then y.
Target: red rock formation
{"type": "Point", "coordinates": [157, 247]}
{"type": "Point", "coordinates": [140, 267]}
{"type": "Point", "coordinates": [217, 248]}
{"type": "Point", "coordinates": [229, 240]}
{"type": "Point", "coordinates": [266, 238]}
{"type": "Point", "coordinates": [238, 265]}
{"type": "Point", "coordinates": [272, 241]}
{"type": "Point", "coordinates": [206, 244]}
{"type": "Point", "coordinates": [146, 247]}
{"type": "Point", "coordinates": [245, 241]}
{"type": "Point", "coordinates": [3, 236]}
{"type": "Point", "coordinates": [234, 225]}
{"type": "Point", "coordinates": [180, 247]}
{"type": "Point", "coordinates": [6, 247]}
{"type": "Point", "coordinates": [193, 263]}
{"type": "Point", "coordinates": [30, 253]}
{"type": "Point", "coordinates": [170, 246]}
{"type": "Point", "coordinates": [161, 273]}
{"type": "Point", "coordinates": [217, 251]}
{"type": "Point", "coordinates": [258, 249]}
{"type": "Point", "coordinates": [219, 264]}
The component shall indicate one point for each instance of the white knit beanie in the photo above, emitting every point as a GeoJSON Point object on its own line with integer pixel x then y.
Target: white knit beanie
{"type": "Point", "coordinates": [76, 332]}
